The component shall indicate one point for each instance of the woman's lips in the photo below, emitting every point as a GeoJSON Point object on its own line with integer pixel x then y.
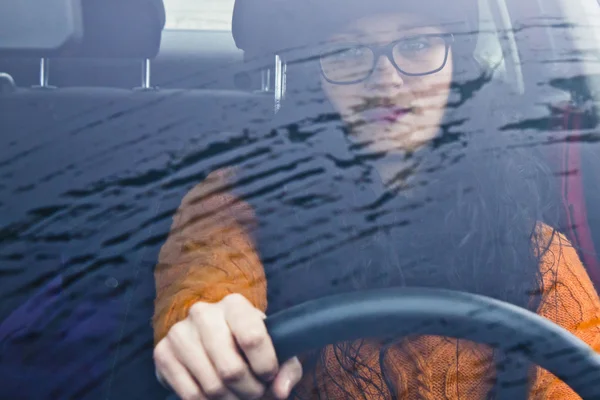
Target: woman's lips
{"type": "Point", "coordinates": [385, 114]}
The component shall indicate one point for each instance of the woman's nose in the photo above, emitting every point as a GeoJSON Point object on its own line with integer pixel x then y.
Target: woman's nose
{"type": "Point", "coordinates": [385, 77]}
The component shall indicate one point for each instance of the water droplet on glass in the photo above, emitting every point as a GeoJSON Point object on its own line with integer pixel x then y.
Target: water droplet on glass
{"type": "Point", "coordinates": [111, 282]}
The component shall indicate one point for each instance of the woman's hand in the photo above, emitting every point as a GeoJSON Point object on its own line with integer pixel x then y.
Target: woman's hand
{"type": "Point", "coordinates": [223, 351]}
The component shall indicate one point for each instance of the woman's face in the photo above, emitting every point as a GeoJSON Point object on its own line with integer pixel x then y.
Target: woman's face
{"type": "Point", "coordinates": [389, 111]}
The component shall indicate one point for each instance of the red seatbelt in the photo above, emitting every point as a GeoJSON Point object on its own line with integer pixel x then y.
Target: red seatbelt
{"type": "Point", "coordinates": [578, 229]}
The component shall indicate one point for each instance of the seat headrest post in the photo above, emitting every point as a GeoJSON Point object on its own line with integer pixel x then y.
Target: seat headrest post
{"type": "Point", "coordinates": [146, 73]}
{"type": "Point", "coordinates": [146, 83]}
{"type": "Point", "coordinates": [44, 75]}
{"type": "Point", "coordinates": [44, 71]}
{"type": "Point", "coordinates": [265, 80]}
{"type": "Point", "coordinates": [280, 71]}
{"type": "Point", "coordinates": [283, 81]}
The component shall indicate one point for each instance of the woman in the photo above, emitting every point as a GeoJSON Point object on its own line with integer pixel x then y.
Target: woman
{"type": "Point", "coordinates": [423, 199]}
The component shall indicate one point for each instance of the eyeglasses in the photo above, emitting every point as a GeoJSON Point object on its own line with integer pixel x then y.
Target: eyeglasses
{"type": "Point", "coordinates": [346, 64]}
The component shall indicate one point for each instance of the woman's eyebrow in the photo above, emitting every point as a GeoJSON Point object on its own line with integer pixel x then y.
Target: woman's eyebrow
{"type": "Point", "coordinates": [356, 33]}
{"type": "Point", "coordinates": [418, 25]}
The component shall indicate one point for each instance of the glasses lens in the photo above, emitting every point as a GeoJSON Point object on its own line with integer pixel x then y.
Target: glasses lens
{"type": "Point", "coordinates": [420, 54]}
{"type": "Point", "coordinates": [347, 63]}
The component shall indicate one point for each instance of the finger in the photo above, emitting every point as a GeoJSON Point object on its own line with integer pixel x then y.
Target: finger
{"type": "Point", "coordinates": [250, 334]}
{"type": "Point", "coordinates": [222, 351]}
{"type": "Point", "coordinates": [188, 349]}
{"type": "Point", "coordinates": [289, 375]}
{"type": "Point", "coordinates": [175, 374]}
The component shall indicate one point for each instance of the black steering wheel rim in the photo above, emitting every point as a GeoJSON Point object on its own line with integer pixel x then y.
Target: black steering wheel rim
{"type": "Point", "coordinates": [422, 311]}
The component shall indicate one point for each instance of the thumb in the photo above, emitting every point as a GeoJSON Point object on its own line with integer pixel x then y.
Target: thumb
{"type": "Point", "coordinates": [290, 373]}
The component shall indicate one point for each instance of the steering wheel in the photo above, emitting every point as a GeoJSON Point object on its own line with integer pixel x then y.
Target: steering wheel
{"type": "Point", "coordinates": [418, 311]}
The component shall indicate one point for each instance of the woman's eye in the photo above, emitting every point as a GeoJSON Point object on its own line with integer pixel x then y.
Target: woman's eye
{"type": "Point", "coordinates": [413, 45]}
{"type": "Point", "coordinates": [349, 53]}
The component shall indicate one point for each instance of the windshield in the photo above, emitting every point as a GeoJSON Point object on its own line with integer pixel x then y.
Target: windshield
{"type": "Point", "coordinates": [199, 14]}
{"type": "Point", "coordinates": [310, 149]}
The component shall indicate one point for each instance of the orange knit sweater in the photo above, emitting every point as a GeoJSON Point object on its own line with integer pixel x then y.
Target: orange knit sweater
{"type": "Point", "coordinates": [209, 254]}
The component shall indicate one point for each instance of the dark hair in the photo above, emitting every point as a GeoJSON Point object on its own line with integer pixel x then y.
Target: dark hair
{"type": "Point", "coordinates": [486, 243]}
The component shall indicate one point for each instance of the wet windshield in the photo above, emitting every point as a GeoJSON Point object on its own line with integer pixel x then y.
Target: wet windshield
{"type": "Point", "coordinates": [288, 152]}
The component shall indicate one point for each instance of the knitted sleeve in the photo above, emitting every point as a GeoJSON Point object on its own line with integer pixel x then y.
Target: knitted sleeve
{"type": "Point", "coordinates": [570, 301]}
{"type": "Point", "coordinates": [208, 254]}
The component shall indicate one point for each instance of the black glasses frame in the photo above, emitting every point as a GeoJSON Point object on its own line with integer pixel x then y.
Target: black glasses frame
{"type": "Point", "coordinates": [387, 50]}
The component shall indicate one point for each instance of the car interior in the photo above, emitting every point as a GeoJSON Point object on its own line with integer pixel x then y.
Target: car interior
{"type": "Point", "coordinates": [75, 106]}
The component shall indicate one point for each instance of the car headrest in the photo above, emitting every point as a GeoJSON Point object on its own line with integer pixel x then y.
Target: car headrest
{"type": "Point", "coordinates": [34, 28]}
{"type": "Point", "coordinates": [243, 24]}
{"type": "Point", "coordinates": [82, 28]}
{"type": "Point", "coordinates": [260, 27]}
{"type": "Point", "coordinates": [267, 26]}
{"type": "Point", "coordinates": [121, 28]}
